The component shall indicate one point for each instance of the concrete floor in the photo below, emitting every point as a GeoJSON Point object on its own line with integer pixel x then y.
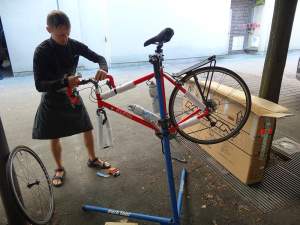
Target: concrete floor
{"type": "Point", "coordinates": [142, 185]}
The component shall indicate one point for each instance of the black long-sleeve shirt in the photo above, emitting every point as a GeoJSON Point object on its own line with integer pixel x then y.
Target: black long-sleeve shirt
{"type": "Point", "coordinates": [52, 63]}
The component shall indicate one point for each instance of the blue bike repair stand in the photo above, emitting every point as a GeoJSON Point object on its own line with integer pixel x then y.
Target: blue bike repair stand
{"type": "Point", "coordinates": [176, 204]}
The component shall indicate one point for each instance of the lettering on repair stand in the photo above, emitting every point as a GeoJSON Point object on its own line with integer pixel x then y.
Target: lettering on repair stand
{"type": "Point", "coordinates": [118, 212]}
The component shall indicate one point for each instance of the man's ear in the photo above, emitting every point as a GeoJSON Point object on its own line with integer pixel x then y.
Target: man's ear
{"type": "Point", "coordinates": [49, 29]}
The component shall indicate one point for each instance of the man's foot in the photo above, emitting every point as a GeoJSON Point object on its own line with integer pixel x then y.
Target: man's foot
{"type": "Point", "coordinates": [58, 178]}
{"type": "Point", "coordinates": [97, 163]}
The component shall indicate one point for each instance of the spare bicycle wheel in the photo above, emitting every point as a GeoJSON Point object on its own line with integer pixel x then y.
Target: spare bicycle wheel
{"type": "Point", "coordinates": [30, 185]}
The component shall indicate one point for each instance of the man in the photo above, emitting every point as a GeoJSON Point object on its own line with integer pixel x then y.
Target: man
{"type": "Point", "coordinates": [54, 65]}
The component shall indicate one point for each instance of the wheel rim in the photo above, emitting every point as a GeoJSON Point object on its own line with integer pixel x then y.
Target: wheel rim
{"type": "Point", "coordinates": [31, 185]}
{"type": "Point", "coordinates": [179, 107]}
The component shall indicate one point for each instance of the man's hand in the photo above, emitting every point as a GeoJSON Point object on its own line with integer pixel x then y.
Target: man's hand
{"type": "Point", "coordinates": [73, 81]}
{"type": "Point", "coordinates": [100, 75]}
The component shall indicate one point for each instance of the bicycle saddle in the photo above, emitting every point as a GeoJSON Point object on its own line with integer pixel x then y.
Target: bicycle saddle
{"type": "Point", "coordinates": [163, 37]}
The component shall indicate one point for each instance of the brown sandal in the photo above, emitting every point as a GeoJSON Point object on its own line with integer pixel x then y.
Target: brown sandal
{"type": "Point", "coordinates": [60, 178]}
{"type": "Point", "coordinates": [96, 163]}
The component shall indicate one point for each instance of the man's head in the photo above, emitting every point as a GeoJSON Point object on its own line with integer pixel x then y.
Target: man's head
{"type": "Point", "coordinates": [58, 25]}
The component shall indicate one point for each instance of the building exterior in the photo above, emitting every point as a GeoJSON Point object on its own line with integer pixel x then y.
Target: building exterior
{"type": "Point", "coordinates": [117, 29]}
{"type": "Point", "coordinates": [251, 26]}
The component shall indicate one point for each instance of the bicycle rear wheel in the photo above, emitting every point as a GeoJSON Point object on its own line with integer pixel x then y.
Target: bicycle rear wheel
{"type": "Point", "coordinates": [224, 95]}
{"type": "Point", "coordinates": [30, 185]}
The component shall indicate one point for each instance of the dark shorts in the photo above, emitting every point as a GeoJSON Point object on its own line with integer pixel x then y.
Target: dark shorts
{"type": "Point", "coordinates": [56, 117]}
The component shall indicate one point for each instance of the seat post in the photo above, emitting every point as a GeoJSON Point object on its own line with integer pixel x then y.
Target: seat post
{"type": "Point", "coordinates": [159, 48]}
{"type": "Point", "coordinates": [157, 59]}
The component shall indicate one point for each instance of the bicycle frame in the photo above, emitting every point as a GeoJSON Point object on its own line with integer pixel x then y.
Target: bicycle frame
{"type": "Point", "coordinates": [185, 122]}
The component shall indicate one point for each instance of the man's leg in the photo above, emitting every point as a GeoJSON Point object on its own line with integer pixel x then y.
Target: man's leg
{"type": "Point", "coordinates": [89, 143]}
{"type": "Point", "coordinates": [56, 151]}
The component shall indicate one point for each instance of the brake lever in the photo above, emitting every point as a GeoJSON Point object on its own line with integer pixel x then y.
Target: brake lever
{"type": "Point", "coordinates": [110, 83]}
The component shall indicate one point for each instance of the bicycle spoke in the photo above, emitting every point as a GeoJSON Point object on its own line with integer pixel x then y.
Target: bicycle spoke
{"type": "Point", "coordinates": [46, 188]}
{"type": "Point", "coordinates": [22, 179]}
{"type": "Point", "coordinates": [42, 205]}
{"type": "Point", "coordinates": [21, 162]}
{"type": "Point", "coordinates": [198, 130]}
{"type": "Point", "coordinates": [185, 112]}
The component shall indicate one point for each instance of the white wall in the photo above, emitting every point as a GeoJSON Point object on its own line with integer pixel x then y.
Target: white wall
{"type": "Point", "coordinates": [266, 22]}
{"type": "Point", "coordinates": [295, 38]}
{"type": "Point", "coordinates": [88, 22]}
{"type": "Point", "coordinates": [201, 27]}
{"type": "Point", "coordinates": [70, 7]}
{"type": "Point", "coordinates": [24, 25]}
{"type": "Point", "coordinates": [93, 26]}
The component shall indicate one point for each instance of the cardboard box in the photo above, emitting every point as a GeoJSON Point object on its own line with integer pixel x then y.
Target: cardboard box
{"type": "Point", "coordinates": [244, 155]}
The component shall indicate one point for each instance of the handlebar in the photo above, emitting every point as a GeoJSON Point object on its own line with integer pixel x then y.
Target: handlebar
{"type": "Point", "coordinates": [73, 93]}
{"type": "Point", "coordinates": [82, 82]}
{"type": "Point", "coordinates": [110, 82]}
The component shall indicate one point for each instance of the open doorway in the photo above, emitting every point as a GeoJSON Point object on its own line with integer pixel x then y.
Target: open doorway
{"type": "Point", "coordinates": [5, 65]}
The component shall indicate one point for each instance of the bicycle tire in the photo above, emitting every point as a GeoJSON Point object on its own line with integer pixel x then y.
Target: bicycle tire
{"type": "Point", "coordinates": [22, 184]}
{"type": "Point", "coordinates": [223, 128]}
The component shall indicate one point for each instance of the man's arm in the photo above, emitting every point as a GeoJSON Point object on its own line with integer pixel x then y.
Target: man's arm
{"type": "Point", "coordinates": [41, 74]}
{"type": "Point", "coordinates": [84, 51]}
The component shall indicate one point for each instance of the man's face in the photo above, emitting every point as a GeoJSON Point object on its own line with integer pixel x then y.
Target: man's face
{"type": "Point", "coordinates": [60, 34]}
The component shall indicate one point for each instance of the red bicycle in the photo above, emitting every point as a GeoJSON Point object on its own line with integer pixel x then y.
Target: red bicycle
{"type": "Point", "coordinates": [208, 105]}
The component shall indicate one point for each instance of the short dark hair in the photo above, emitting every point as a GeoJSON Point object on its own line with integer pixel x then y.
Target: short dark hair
{"type": "Point", "coordinates": [58, 18]}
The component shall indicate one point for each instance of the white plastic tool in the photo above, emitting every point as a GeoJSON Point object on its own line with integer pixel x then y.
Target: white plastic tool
{"type": "Point", "coordinates": [104, 131]}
